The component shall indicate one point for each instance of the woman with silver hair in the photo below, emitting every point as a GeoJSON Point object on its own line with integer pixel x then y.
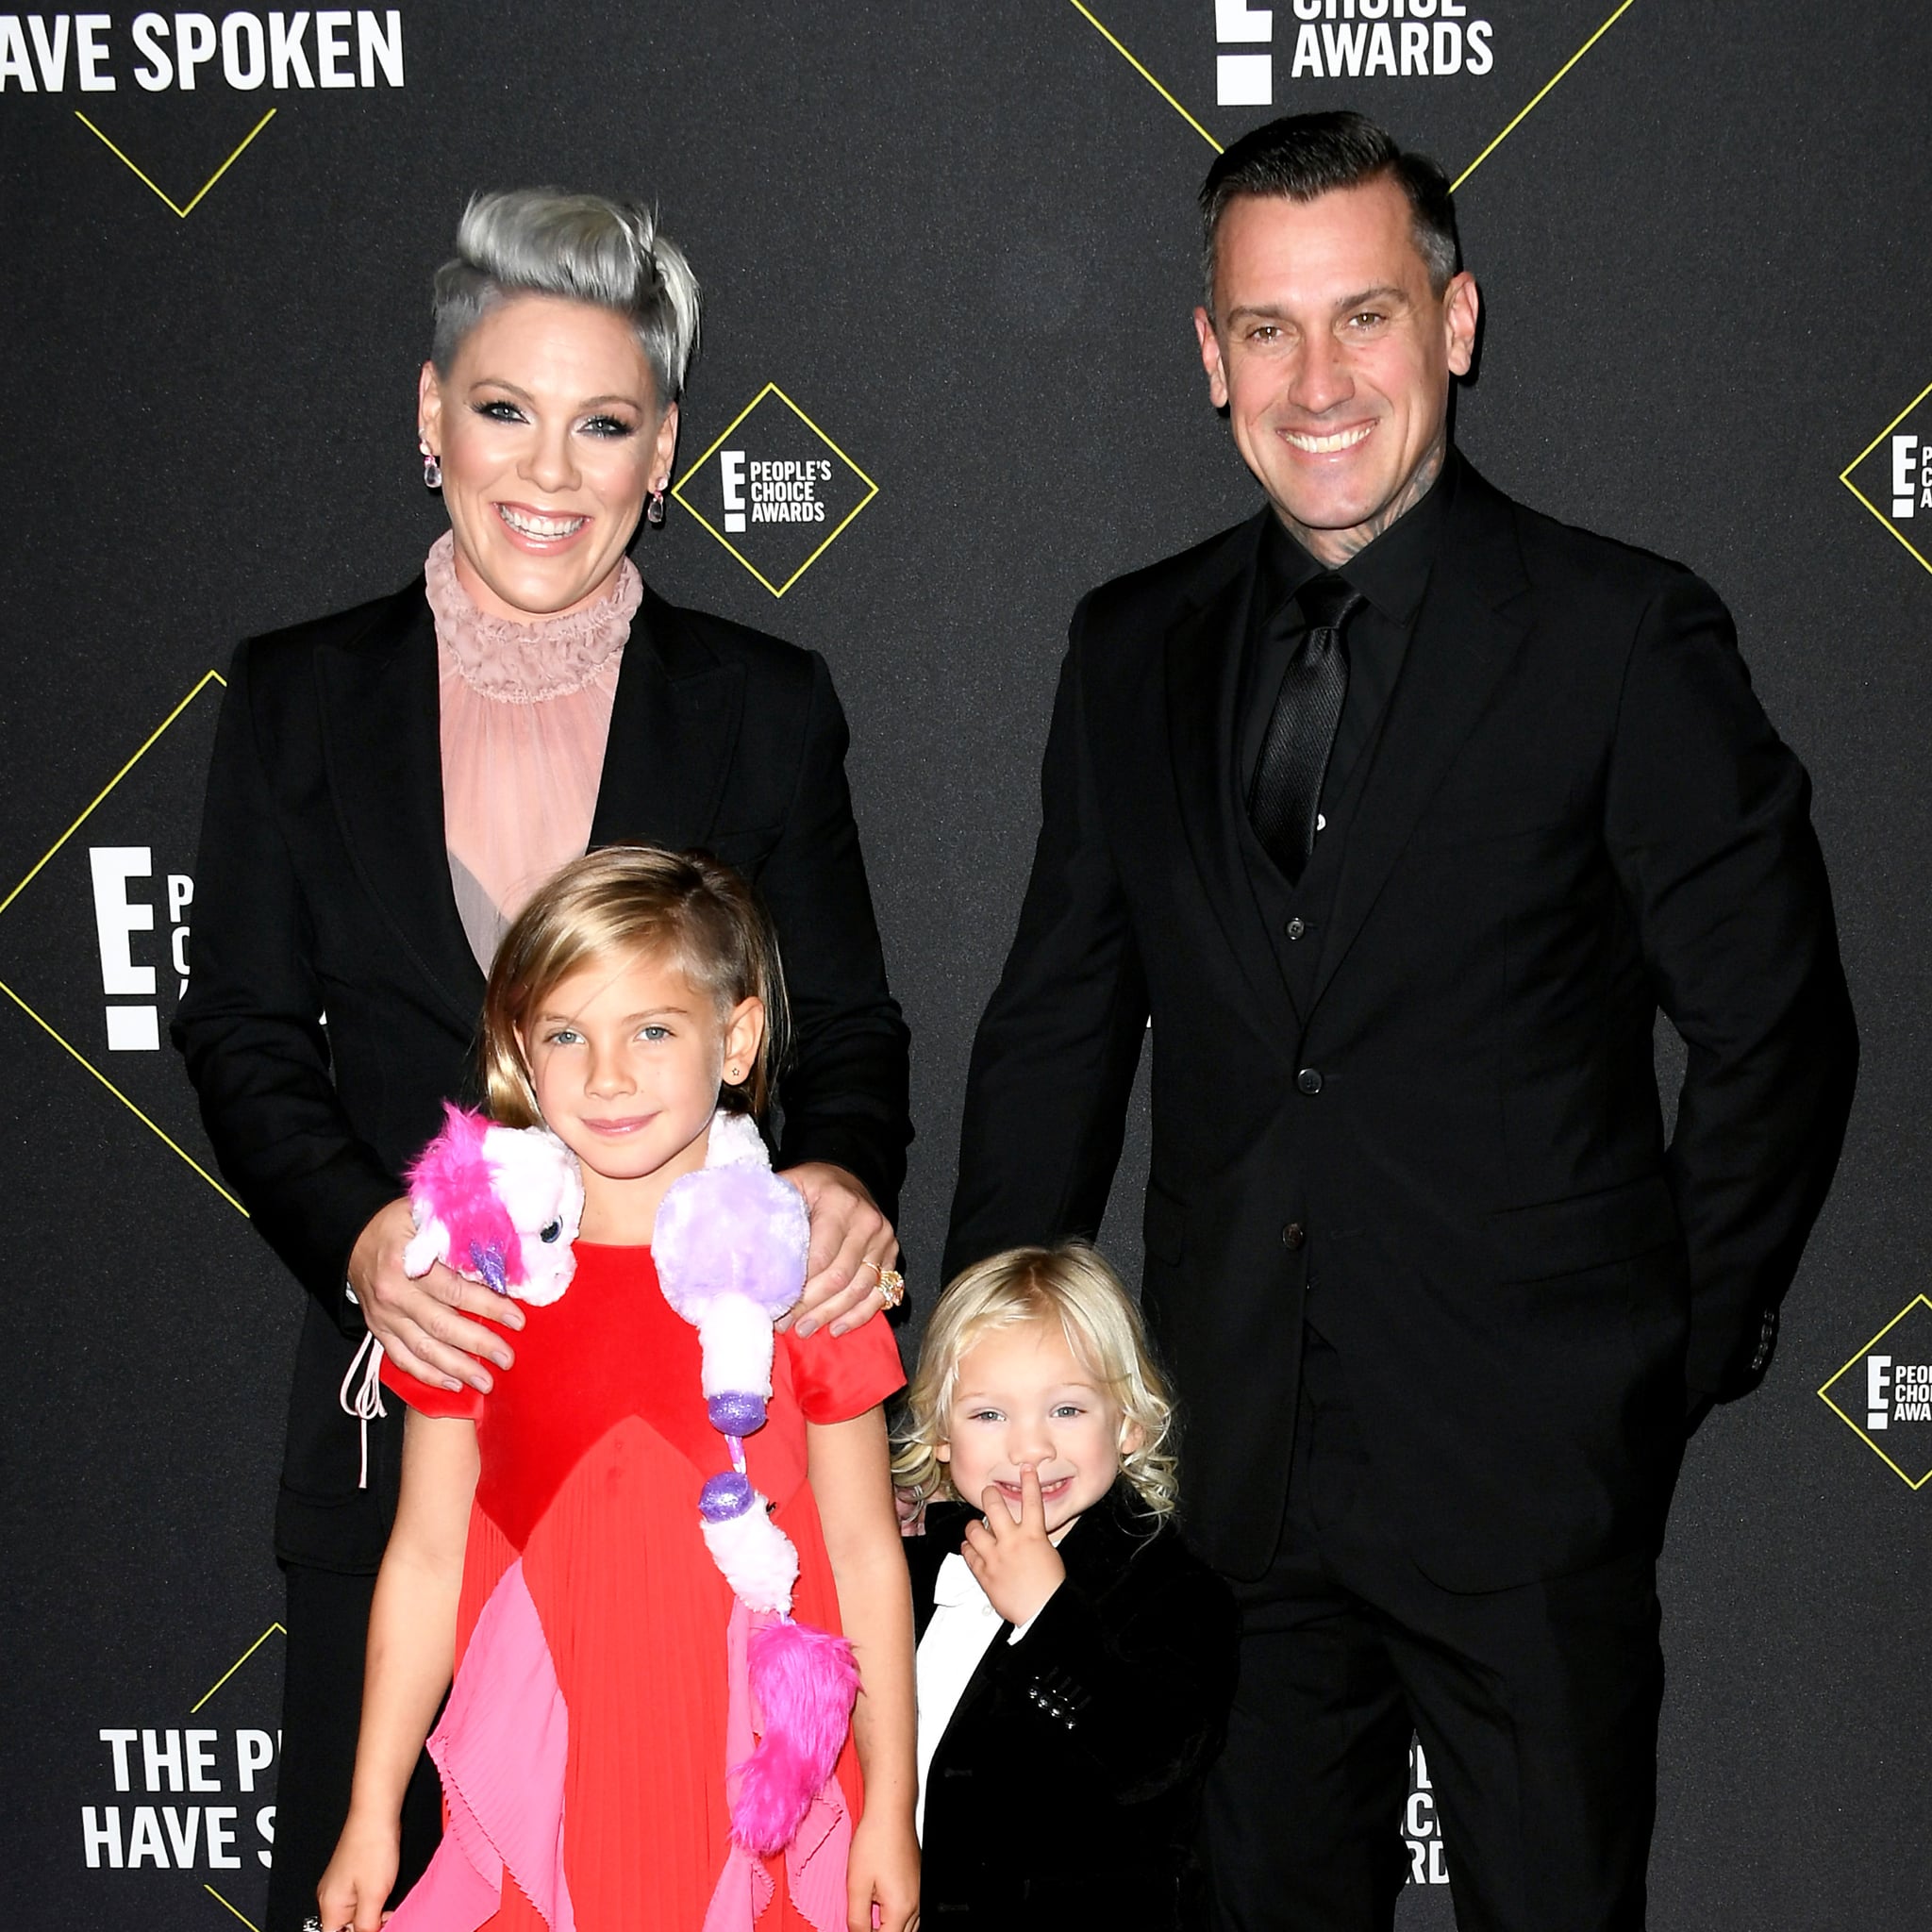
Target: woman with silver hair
{"type": "Point", "coordinates": [389, 784]}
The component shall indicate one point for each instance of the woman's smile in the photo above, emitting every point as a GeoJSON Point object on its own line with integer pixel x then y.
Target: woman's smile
{"type": "Point", "coordinates": [543, 534]}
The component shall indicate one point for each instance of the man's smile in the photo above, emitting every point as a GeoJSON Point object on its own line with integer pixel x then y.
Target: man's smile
{"type": "Point", "coordinates": [1326, 443]}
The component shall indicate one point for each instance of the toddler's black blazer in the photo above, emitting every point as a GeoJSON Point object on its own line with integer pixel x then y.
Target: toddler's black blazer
{"type": "Point", "coordinates": [1065, 1790]}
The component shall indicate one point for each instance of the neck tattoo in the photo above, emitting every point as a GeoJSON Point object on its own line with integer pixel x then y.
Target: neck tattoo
{"type": "Point", "coordinates": [1332, 547]}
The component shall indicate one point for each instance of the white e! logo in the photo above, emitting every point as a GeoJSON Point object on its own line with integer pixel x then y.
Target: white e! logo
{"type": "Point", "coordinates": [1904, 448]}
{"type": "Point", "coordinates": [1877, 1399]}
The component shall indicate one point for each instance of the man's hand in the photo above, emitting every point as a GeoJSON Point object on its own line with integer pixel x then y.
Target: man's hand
{"type": "Point", "coordinates": [910, 1507]}
{"type": "Point", "coordinates": [1015, 1562]}
{"type": "Point", "coordinates": [847, 1232]}
{"type": "Point", "coordinates": [422, 1324]}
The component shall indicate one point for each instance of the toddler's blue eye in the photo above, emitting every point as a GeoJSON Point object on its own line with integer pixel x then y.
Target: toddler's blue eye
{"type": "Point", "coordinates": [550, 1233]}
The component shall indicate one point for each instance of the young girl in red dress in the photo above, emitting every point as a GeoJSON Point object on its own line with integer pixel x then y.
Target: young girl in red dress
{"type": "Point", "coordinates": [548, 1547]}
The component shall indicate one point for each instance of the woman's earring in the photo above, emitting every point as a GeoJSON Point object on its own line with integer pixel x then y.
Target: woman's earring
{"type": "Point", "coordinates": [432, 466]}
{"type": "Point", "coordinates": [654, 510]}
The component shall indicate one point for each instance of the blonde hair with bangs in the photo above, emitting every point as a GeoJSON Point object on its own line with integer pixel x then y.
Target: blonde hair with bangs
{"type": "Point", "coordinates": [1071, 1285]}
{"type": "Point", "coordinates": [614, 903]}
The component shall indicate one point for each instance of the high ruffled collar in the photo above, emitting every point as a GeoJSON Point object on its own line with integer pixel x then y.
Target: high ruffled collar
{"type": "Point", "coordinates": [519, 663]}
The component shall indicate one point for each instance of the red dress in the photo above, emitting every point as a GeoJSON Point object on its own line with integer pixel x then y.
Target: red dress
{"type": "Point", "coordinates": [593, 1448]}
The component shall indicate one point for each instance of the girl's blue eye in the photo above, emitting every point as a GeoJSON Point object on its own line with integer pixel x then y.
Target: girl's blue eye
{"type": "Point", "coordinates": [609, 426]}
{"type": "Point", "coordinates": [656, 1032]}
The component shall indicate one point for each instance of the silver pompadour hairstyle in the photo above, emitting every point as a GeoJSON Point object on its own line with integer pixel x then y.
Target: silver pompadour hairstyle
{"type": "Point", "coordinates": [546, 242]}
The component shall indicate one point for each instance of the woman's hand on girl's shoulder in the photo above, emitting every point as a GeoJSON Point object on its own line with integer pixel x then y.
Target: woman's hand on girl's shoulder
{"type": "Point", "coordinates": [852, 1244]}
{"type": "Point", "coordinates": [882, 1875]}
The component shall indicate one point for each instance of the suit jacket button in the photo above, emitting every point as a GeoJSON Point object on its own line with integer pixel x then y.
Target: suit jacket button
{"type": "Point", "coordinates": [1294, 929]}
{"type": "Point", "coordinates": [1309, 1080]}
{"type": "Point", "coordinates": [1293, 1235]}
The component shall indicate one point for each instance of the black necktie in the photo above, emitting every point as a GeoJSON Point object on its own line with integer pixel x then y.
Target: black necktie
{"type": "Point", "coordinates": [1301, 731]}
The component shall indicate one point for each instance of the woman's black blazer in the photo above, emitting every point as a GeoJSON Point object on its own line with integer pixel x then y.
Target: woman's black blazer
{"type": "Point", "coordinates": [1066, 1789]}
{"type": "Point", "coordinates": [333, 998]}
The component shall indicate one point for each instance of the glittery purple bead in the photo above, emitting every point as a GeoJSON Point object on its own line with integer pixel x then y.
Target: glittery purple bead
{"type": "Point", "coordinates": [723, 1496]}
{"type": "Point", "coordinates": [737, 1412]}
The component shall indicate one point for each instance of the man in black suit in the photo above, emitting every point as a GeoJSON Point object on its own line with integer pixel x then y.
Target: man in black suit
{"type": "Point", "coordinates": [1399, 810]}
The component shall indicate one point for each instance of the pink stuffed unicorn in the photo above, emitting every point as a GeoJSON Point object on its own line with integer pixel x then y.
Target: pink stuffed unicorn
{"type": "Point", "coordinates": [500, 1205]}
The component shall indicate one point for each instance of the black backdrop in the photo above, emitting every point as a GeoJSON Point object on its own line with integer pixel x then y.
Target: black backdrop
{"type": "Point", "coordinates": [958, 240]}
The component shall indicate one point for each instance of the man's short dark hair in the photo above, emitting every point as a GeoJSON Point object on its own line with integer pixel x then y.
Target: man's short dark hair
{"type": "Point", "coordinates": [1302, 157]}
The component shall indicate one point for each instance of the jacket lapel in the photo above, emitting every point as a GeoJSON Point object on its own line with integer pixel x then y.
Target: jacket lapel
{"type": "Point", "coordinates": [383, 749]}
{"type": "Point", "coordinates": [1204, 667]}
{"type": "Point", "coordinates": [945, 1536]}
{"type": "Point", "coordinates": [1096, 1550]}
{"type": "Point", "coordinates": [674, 725]}
{"type": "Point", "coordinates": [1474, 618]}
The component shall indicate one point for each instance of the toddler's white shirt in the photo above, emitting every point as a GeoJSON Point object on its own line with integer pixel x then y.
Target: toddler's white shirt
{"type": "Point", "coordinates": [963, 1624]}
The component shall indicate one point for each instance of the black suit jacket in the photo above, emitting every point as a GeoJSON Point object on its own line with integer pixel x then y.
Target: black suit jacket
{"type": "Point", "coordinates": [1453, 1147]}
{"type": "Point", "coordinates": [323, 888]}
{"type": "Point", "coordinates": [1065, 1790]}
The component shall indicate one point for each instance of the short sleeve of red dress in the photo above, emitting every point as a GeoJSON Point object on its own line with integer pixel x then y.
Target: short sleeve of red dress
{"type": "Point", "coordinates": [465, 1403]}
{"type": "Point", "coordinates": [840, 1377]}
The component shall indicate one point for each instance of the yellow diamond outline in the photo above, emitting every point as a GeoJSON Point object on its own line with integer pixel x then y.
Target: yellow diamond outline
{"type": "Point", "coordinates": [140, 174]}
{"type": "Point", "coordinates": [1845, 476]}
{"type": "Point", "coordinates": [278, 1625]}
{"type": "Point", "coordinates": [1536, 99]}
{"type": "Point", "coordinates": [232, 1906]}
{"type": "Point", "coordinates": [47, 1026]}
{"type": "Point", "coordinates": [871, 490]}
{"type": "Point", "coordinates": [194, 1710]}
{"type": "Point", "coordinates": [1521, 114]}
{"type": "Point", "coordinates": [1119, 46]}
{"type": "Point", "coordinates": [1918, 1301]}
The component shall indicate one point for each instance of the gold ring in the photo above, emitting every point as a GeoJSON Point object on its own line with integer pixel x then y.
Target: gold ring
{"type": "Point", "coordinates": [892, 1284]}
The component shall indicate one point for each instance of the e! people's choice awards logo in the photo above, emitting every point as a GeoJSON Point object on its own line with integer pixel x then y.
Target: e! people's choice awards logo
{"type": "Point", "coordinates": [1892, 476]}
{"type": "Point", "coordinates": [1337, 40]}
{"type": "Point", "coordinates": [1884, 1393]}
{"type": "Point", "coordinates": [774, 490]}
{"type": "Point", "coordinates": [93, 940]}
{"type": "Point", "coordinates": [1421, 1824]}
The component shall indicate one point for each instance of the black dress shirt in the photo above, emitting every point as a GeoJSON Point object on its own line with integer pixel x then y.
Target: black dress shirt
{"type": "Point", "coordinates": [1391, 573]}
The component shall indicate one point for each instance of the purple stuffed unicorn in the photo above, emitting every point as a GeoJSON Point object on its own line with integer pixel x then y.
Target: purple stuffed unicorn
{"type": "Point", "coordinates": [730, 1244]}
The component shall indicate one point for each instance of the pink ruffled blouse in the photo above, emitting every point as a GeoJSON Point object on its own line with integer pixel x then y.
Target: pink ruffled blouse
{"type": "Point", "coordinates": [526, 713]}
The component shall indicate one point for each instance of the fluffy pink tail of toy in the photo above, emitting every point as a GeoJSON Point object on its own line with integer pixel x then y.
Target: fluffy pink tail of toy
{"type": "Point", "coordinates": [804, 1681]}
